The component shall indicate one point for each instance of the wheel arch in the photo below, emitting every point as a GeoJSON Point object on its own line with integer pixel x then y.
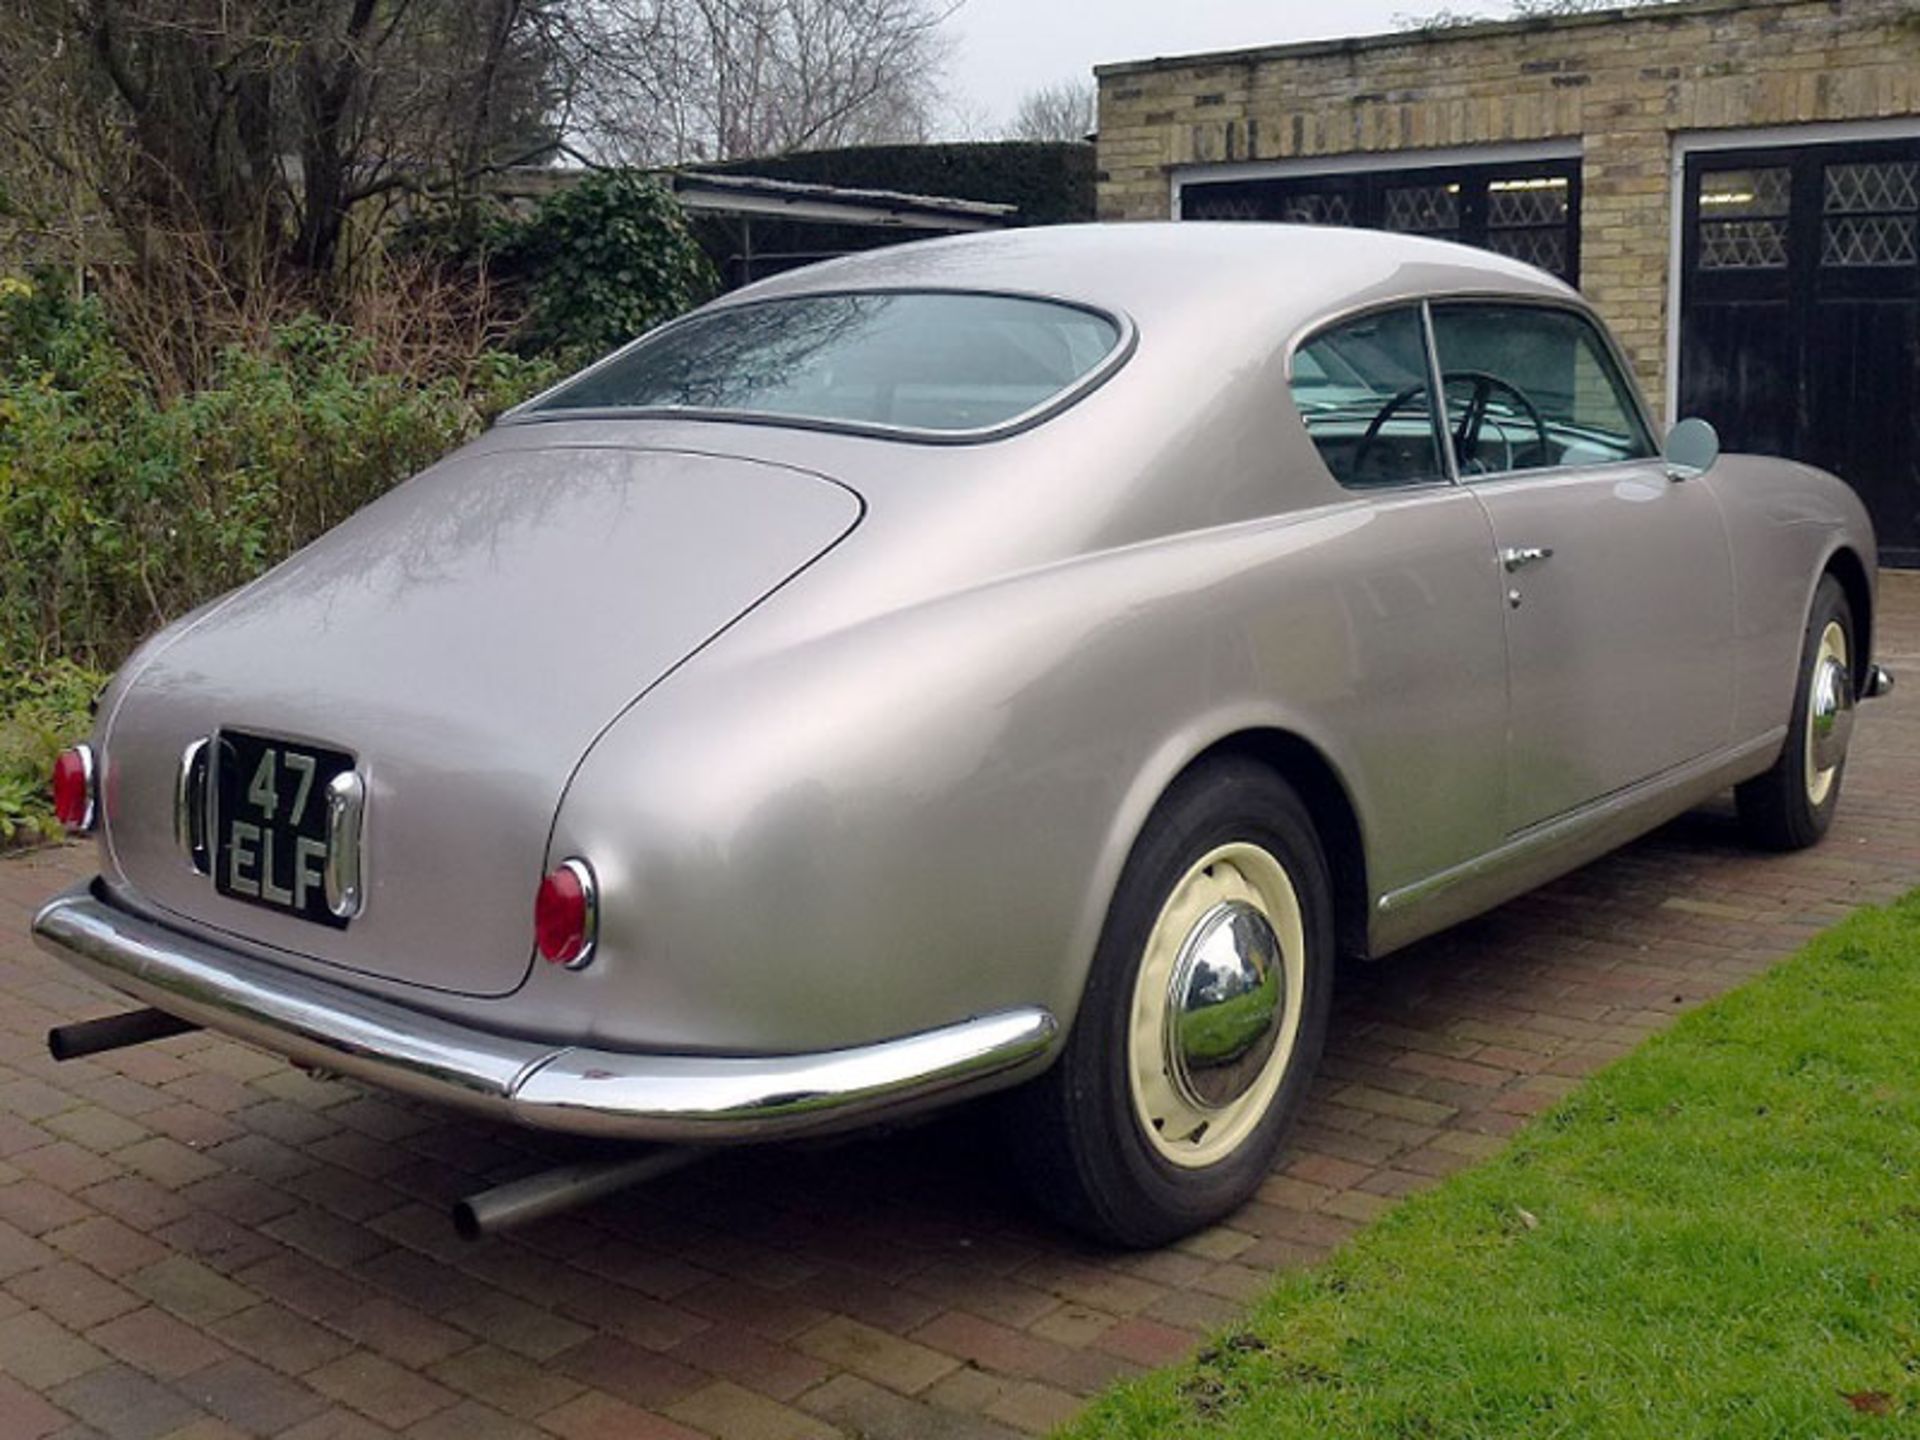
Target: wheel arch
{"type": "Point", "coordinates": [1846, 566]}
{"type": "Point", "coordinates": [1313, 775]}
{"type": "Point", "coordinates": [1336, 820]}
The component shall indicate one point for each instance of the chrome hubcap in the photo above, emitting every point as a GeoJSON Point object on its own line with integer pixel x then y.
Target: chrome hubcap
{"type": "Point", "coordinates": [1217, 1003]}
{"type": "Point", "coordinates": [1832, 717]}
{"type": "Point", "coordinates": [1829, 712]}
{"type": "Point", "coordinates": [1224, 1006]}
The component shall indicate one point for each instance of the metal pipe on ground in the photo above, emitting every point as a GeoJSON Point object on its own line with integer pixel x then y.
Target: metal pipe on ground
{"type": "Point", "coordinates": [551, 1191]}
{"type": "Point", "coordinates": [114, 1032]}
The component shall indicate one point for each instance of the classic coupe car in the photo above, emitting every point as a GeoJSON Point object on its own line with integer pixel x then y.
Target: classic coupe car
{"type": "Point", "coordinates": [1015, 663]}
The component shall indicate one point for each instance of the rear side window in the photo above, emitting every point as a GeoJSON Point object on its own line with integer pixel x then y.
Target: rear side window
{"type": "Point", "coordinates": [1364, 394]}
{"type": "Point", "coordinates": [1529, 388]}
{"type": "Point", "coordinates": [930, 362]}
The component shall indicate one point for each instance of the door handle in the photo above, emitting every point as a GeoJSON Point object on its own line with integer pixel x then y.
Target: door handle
{"type": "Point", "coordinates": [1518, 557]}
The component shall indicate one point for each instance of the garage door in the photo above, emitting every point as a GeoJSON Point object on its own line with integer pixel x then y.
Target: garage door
{"type": "Point", "coordinates": [1800, 315]}
{"type": "Point", "coordinates": [1529, 210]}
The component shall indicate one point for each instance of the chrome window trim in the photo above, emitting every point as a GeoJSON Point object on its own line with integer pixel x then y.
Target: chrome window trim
{"type": "Point", "coordinates": [1126, 341]}
{"type": "Point", "coordinates": [1437, 393]}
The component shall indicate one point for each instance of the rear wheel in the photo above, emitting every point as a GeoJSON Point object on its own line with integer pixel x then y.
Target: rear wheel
{"type": "Point", "coordinates": [1792, 804]}
{"type": "Point", "coordinates": [1202, 1021]}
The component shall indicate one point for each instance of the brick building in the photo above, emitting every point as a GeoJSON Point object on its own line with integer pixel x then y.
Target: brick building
{"type": "Point", "coordinates": [1735, 185]}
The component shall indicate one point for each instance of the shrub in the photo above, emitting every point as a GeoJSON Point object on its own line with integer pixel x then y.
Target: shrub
{"type": "Point", "coordinates": [42, 710]}
{"type": "Point", "coordinates": [120, 509]}
{"type": "Point", "coordinates": [601, 261]}
{"type": "Point", "coordinates": [153, 456]}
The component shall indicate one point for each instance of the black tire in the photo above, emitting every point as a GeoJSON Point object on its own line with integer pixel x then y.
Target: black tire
{"type": "Point", "coordinates": [1076, 1132]}
{"type": "Point", "coordinates": [1778, 811]}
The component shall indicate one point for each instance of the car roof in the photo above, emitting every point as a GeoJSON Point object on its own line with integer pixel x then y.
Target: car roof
{"type": "Point", "coordinates": [1299, 273]}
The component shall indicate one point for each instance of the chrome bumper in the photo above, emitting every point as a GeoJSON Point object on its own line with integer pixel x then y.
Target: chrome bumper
{"type": "Point", "coordinates": [682, 1098]}
{"type": "Point", "coordinates": [1879, 683]}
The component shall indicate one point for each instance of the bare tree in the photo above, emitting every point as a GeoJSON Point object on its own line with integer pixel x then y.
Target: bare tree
{"type": "Point", "coordinates": [1516, 10]}
{"type": "Point", "coordinates": [1529, 9]}
{"type": "Point", "coordinates": [1056, 112]}
{"type": "Point", "coordinates": [252, 134]}
{"type": "Point", "coordinates": [666, 81]}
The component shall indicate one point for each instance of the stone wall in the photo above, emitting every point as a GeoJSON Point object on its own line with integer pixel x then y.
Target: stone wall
{"type": "Point", "coordinates": [1622, 83]}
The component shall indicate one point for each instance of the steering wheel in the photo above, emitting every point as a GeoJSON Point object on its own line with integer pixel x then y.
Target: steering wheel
{"type": "Point", "coordinates": [1466, 435]}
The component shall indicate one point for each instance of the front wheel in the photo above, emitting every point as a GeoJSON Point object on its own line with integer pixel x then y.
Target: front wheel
{"type": "Point", "coordinates": [1202, 1021]}
{"type": "Point", "coordinates": [1792, 804]}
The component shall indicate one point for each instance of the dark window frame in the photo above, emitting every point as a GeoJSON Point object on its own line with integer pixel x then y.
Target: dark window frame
{"type": "Point", "coordinates": [1265, 197]}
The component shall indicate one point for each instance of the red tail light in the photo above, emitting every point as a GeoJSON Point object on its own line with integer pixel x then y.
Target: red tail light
{"type": "Point", "coordinates": [73, 786]}
{"type": "Point", "coordinates": [566, 915]}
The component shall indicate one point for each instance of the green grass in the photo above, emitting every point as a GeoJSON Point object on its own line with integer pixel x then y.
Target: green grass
{"type": "Point", "coordinates": [1718, 1236]}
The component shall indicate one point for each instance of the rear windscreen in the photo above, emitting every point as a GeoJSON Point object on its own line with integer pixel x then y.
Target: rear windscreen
{"type": "Point", "coordinates": [938, 362]}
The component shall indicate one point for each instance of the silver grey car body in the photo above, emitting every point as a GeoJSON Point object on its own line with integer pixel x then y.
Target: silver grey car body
{"type": "Point", "coordinates": [859, 730]}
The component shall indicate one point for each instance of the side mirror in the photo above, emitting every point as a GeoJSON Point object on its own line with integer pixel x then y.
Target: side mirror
{"type": "Point", "coordinates": [1692, 447]}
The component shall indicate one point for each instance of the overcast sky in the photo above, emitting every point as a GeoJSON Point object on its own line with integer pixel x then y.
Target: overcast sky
{"type": "Point", "coordinates": [1004, 48]}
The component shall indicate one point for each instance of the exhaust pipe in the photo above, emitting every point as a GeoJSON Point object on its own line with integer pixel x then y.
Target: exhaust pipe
{"type": "Point", "coordinates": [114, 1032]}
{"type": "Point", "coordinates": [561, 1188]}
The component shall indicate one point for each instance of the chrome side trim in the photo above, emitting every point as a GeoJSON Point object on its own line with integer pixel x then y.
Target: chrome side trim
{"type": "Point", "coordinates": [1551, 848]}
{"type": "Point", "coordinates": [1548, 832]}
{"type": "Point", "coordinates": [539, 1083]}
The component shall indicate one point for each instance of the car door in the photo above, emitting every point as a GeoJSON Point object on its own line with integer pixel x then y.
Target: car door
{"type": "Point", "coordinates": [1411, 607]}
{"type": "Point", "coordinates": [1617, 576]}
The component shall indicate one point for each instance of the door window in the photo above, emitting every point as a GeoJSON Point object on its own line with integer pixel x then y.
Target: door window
{"type": "Point", "coordinates": [1870, 215]}
{"type": "Point", "coordinates": [1365, 396]}
{"type": "Point", "coordinates": [1529, 387]}
{"type": "Point", "coordinates": [1744, 218]}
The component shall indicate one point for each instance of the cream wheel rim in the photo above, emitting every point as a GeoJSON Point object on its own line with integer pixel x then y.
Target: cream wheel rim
{"type": "Point", "coordinates": [1827, 706]}
{"type": "Point", "coordinates": [1217, 1004]}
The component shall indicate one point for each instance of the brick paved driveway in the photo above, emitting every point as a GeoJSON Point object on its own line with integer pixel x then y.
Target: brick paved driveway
{"type": "Point", "coordinates": [197, 1241]}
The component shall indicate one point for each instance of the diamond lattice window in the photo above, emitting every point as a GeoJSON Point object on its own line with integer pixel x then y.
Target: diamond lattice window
{"type": "Point", "coordinates": [1220, 207]}
{"type": "Point", "coordinates": [1854, 188]}
{"type": "Point", "coordinates": [1740, 194]}
{"type": "Point", "coordinates": [1743, 245]}
{"type": "Point", "coordinates": [1870, 215]}
{"type": "Point", "coordinates": [1743, 218]}
{"type": "Point", "coordinates": [1317, 208]}
{"type": "Point", "coordinates": [1423, 209]}
{"type": "Point", "coordinates": [1515, 203]}
{"type": "Point", "coordinates": [1545, 248]}
{"type": "Point", "coordinates": [1867, 240]}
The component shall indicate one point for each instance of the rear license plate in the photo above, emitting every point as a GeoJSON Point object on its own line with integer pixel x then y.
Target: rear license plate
{"type": "Point", "coordinates": [271, 813]}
